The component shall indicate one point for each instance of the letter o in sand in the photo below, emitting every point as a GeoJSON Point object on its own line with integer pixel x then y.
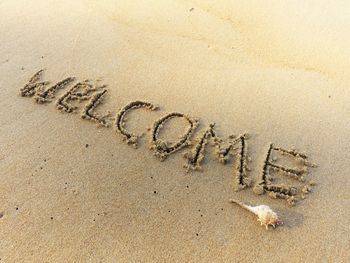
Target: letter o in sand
{"type": "Point", "coordinates": [163, 149]}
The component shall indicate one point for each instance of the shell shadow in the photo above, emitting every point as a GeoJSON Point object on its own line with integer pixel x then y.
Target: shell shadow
{"type": "Point", "coordinates": [291, 218]}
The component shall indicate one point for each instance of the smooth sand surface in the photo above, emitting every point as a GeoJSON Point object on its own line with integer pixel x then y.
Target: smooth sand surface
{"type": "Point", "coordinates": [73, 192]}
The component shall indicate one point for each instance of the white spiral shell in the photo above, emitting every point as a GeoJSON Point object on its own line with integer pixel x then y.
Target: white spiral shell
{"type": "Point", "coordinates": [265, 214]}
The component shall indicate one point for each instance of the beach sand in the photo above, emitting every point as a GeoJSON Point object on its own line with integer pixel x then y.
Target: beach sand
{"type": "Point", "coordinates": [74, 192]}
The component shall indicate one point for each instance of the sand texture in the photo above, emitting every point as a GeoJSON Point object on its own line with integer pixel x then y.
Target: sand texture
{"type": "Point", "coordinates": [127, 126]}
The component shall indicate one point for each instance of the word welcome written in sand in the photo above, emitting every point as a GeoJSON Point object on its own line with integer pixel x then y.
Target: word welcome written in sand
{"type": "Point", "coordinates": [233, 149]}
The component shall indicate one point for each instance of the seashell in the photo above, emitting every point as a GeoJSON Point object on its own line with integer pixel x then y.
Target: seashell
{"type": "Point", "coordinates": [265, 214]}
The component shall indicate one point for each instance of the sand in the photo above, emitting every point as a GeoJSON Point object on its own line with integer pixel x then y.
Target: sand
{"type": "Point", "coordinates": [75, 191]}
